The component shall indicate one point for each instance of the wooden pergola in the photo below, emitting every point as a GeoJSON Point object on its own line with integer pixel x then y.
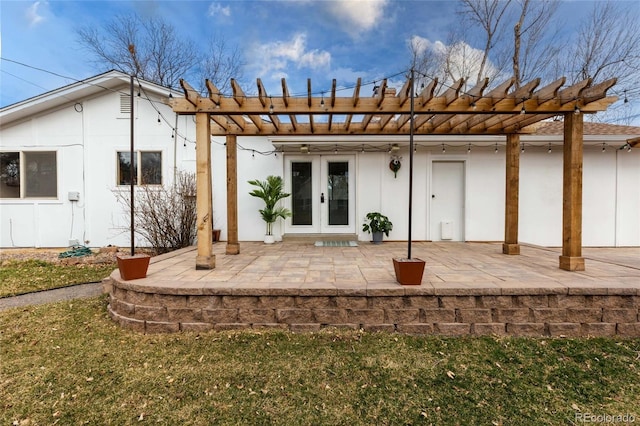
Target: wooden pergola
{"type": "Point", "coordinates": [500, 111]}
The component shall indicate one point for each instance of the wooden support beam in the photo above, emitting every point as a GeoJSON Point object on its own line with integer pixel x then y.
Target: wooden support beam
{"type": "Point", "coordinates": [333, 93]}
{"type": "Point", "coordinates": [205, 258]}
{"type": "Point", "coordinates": [238, 94]}
{"type": "Point", "coordinates": [512, 183]}
{"type": "Point", "coordinates": [233, 246]}
{"type": "Point", "coordinates": [405, 92]}
{"type": "Point", "coordinates": [597, 92]}
{"type": "Point", "coordinates": [427, 93]}
{"type": "Point", "coordinates": [380, 93]}
{"type": "Point", "coordinates": [571, 259]}
{"type": "Point", "coordinates": [214, 92]}
{"type": "Point", "coordinates": [285, 92]}
{"type": "Point", "coordinates": [190, 93]}
{"type": "Point", "coordinates": [262, 93]}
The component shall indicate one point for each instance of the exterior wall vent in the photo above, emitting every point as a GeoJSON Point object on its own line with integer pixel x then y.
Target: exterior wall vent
{"type": "Point", "coordinates": [125, 104]}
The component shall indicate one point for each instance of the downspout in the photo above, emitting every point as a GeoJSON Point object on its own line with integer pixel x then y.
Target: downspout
{"type": "Point", "coordinates": [615, 205]}
{"type": "Point", "coordinates": [174, 134]}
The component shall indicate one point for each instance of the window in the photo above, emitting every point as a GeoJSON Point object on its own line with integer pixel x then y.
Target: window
{"type": "Point", "coordinates": [149, 174]}
{"type": "Point", "coordinates": [28, 174]}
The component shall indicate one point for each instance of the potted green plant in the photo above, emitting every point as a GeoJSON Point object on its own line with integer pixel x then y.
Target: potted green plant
{"type": "Point", "coordinates": [270, 191]}
{"type": "Point", "coordinates": [377, 224]}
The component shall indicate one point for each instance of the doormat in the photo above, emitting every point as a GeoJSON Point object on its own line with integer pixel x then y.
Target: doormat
{"type": "Point", "coordinates": [336, 244]}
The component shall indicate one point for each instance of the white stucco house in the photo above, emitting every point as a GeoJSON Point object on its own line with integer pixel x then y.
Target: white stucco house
{"type": "Point", "coordinates": [65, 152]}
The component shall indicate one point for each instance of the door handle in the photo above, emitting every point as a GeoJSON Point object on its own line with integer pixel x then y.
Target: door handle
{"type": "Point", "coordinates": [322, 197]}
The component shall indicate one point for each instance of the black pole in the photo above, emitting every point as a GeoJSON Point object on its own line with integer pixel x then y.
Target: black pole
{"type": "Point", "coordinates": [131, 168]}
{"type": "Point", "coordinates": [410, 165]}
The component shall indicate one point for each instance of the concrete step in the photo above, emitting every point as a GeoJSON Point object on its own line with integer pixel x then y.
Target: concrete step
{"type": "Point", "coordinates": [312, 238]}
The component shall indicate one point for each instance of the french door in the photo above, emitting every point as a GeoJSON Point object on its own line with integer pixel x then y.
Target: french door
{"type": "Point", "coordinates": [322, 194]}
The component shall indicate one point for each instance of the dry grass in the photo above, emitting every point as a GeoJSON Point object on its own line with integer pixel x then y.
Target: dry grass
{"type": "Point", "coordinates": [26, 276]}
{"type": "Point", "coordinates": [67, 363]}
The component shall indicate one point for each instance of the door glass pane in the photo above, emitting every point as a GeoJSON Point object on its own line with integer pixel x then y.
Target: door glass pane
{"type": "Point", "coordinates": [301, 208]}
{"type": "Point", "coordinates": [338, 193]}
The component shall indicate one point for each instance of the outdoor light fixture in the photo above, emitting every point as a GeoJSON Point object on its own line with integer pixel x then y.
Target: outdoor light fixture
{"type": "Point", "coordinates": [549, 151]}
{"type": "Point", "coordinates": [469, 149]}
{"type": "Point", "coordinates": [443, 149]}
{"type": "Point", "coordinates": [625, 96]}
{"type": "Point", "coordinates": [271, 105]}
{"type": "Point", "coordinates": [304, 149]}
{"type": "Point", "coordinates": [394, 148]}
{"type": "Point", "coordinates": [604, 145]}
{"type": "Point", "coordinates": [523, 111]}
{"type": "Point", "coordinates": [522, 148]}
{"type": "Point", "coordinates": [322, 100]}
{"type": "Point", "coordinates": [496, 150]}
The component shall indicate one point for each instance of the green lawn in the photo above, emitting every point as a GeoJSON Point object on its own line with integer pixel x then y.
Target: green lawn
{"type": "Point", "coordinates": [18, 276]}
{"type": "Point", "coordinates": [67, 363]}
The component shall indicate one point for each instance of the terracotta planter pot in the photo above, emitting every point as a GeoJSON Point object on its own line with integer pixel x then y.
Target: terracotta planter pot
{"type": "Point", "coordinates": [133, 267]}
{"type": "Point", "coordinates": [409, 271]}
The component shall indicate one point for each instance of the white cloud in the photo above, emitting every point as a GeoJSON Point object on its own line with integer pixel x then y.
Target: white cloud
{"type": "Point", "coordinates": [274, 58]}
{"type": "Point", "coordinates": [358, 15]}
{"type": "Point", "coordinates": [452, 62]}
{"type": "Point", "coordinates": [33, 15]}
{"type": "Point", "coordinates": [216, 9]}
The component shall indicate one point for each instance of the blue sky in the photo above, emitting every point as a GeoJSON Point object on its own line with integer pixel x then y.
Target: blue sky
{"type": "Point", "coordinates": [300, 39]}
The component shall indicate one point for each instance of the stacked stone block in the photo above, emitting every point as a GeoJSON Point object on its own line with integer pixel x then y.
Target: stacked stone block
{"type": "Point", "coordinates": [412, 310]}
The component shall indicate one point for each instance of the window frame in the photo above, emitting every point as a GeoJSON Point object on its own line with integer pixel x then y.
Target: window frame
{"type": "Point", "coordinates": [23, 174]}
{"type": "Point", "coordinates": [138, 160]}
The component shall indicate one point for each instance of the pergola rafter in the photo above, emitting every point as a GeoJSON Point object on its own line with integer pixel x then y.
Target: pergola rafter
{"type": "Point", "coordinates": [452, 112]}
{"type": "Point", "coordinates": [501, 111]}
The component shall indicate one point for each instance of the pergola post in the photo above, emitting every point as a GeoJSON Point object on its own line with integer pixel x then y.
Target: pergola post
{"type": "Point", "coordinates": [512, 183]}
{"type": "Point", "coordinates": [233, 246]}
{"type": "Point", "coordinates": [205, 258]}
{"type": "Point", "coordinates": [571, 259]}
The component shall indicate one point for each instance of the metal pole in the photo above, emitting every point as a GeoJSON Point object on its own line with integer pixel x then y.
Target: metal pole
{"type": "Point", "coordinates": [411, 89]}
{"type": "Point", "coordinates": [131, 168]}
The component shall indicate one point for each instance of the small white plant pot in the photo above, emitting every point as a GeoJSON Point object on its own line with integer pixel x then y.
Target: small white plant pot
{"type": "Point", "coordinates": [269, 239]}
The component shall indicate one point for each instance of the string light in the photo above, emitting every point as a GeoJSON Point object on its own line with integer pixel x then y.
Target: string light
{"type": "Point", "coordinates": [271, 105]}
{"type": "Point", "coordinates": [604, 145]}
{"type": "Point", "coordinates": [576, 109]}
{"type": "Point", "coordinates": [159, 121]}
{"type": "Point", "coordinates": [335, 149]}
{"type": "Point", "coordinates": [322, 100]}
{"type": "Point", "coordinates": [522, 148]}
{"type": "Point", "coordinates": [549, 150]}
{"type": "Point", "coordinates": [496, 150]}
{"type": "Point", "coordinates": [469, 149]}
{"type": "Point", "coordinates": [625, 96]}
{"type": "Point", "coordinates": [443, 149]}
{"type": "Point", "coordinates": [523, 111]}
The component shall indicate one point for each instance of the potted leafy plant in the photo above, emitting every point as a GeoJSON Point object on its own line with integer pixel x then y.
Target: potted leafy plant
{"type": "Point", "coordinates": [377, 224]}
{"type": "Point", "coordinates": [270, 191]}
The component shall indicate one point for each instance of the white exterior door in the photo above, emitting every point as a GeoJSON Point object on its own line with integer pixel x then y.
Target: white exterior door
{"type": "Point", "coordinates": [447, 201]}
{"type": "Point", "coordinates": [322, 194]}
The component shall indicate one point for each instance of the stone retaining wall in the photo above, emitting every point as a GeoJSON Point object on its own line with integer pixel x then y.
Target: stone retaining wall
{"type": "Point", "coordinates": [413, 310]}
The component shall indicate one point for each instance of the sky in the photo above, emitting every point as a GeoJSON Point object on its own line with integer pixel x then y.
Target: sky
{"type": "Point", "coordinates": [294, 39]}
